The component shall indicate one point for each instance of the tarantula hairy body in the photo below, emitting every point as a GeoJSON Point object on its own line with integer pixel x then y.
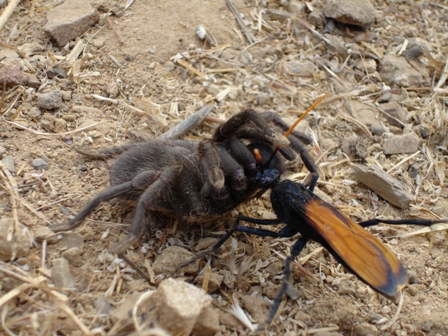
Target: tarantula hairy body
{"type": "Point", "coordinates": [195, 181]}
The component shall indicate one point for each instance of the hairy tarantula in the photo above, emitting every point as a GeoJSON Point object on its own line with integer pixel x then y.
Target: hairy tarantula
{"type": "Point", "coordinates": [194, 181]}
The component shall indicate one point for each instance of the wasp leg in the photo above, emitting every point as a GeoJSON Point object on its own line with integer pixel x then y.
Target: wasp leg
{"type": "Point", "coordinates": [236, 228]}
{"type": "Point", "coordinates": [286, 285]}
{"type": "Point", "coordinates": [423, 222]}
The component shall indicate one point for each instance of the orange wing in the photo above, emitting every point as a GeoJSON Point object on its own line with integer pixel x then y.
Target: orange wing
{"type": "Point", "coordinates": [363, 253]}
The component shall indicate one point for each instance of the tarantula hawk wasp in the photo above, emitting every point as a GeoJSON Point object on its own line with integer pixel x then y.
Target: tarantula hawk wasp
{"type": "Point", "coordinates": [301, 211]}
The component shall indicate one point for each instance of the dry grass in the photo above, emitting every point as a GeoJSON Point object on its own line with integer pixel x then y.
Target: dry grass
{"type": "Point", "coordinates": [286, 65]}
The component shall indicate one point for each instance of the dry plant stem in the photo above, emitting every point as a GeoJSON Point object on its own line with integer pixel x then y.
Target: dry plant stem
{"type": "Point", "coordinates": [186, 125]}
{"type": "Point", "coordinates": [300, 22]}
{"type": "Point", "coordinates": [135, 267]}
{"type": "Point", "coordinates": [249, 36]}
{"type": "Point", "coordinates": [207, 274]}
{"type": "Point", "coordinates": [444, 76]}
{"type": "Point", "coordinates": [50, 134]}
{"type": "Point", "coordinates": [192, 69]}
{"type": "Point", "coordinates": [8, 11]}
{"type": "Point", "coordinates": [397, 313]}
{"type": "Point", "coordinates": [75, 319]}
{"type": "Point", "coordinates": [403, 161]}
{"type": "Point", "coordinates": [9, 182]}
{"type": "Point", "coordinates": [2, 102]}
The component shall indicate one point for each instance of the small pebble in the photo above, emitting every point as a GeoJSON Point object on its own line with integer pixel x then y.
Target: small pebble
{"type": "Point", "coordinates": [61, 275]}
{"type": "Point", "coordinates": [386, 310]}
{"type": "Point", "coordinates": [102, 306]}
{"type": "Point", "coordinates": [50, 100]}
{"type": "Point", "coordinates": [40, 164]}
{"type": "Point", "coordinates": [8, 162]}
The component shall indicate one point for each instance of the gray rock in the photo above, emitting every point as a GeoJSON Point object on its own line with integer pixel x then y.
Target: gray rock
{"type": "Point", "coordinates": [363, 113]}
{"type": "Point", "coordinates": [13, 76]}
{"type": "Point", "coordinates": [401, 144]}
{"type": "Point", "coordinates": [366, 329]}
{"type": "Point", "coordinates": [397, 70]}
{"type": "Point", "coordinates": [315, 18]}
{"type": "Point", "coordinates": [8, 162]}
{"type": "Point", "coordinates": [395, 113]}
{"type": "Point", "coordinates": [175, 306]}
{"type": "Point", "coordinates": [172, 257]}
{"type": "Point", "coordinates": [102, 306]}
{"type": "Point", "coordinates": [40, 164]}
{"type": "Point", "coordinates": [73, 256]}
{"type": "Point", "coordinates": [255, 305]}
{"type": "Point", "coordinates": [70, 240]}
{"type": "Point", "coordinates": [34, 113]}
{"type": "Point", "coordinates": [66, 95]}
{"type": "Point", "coordinates": [2, 150]}
{"type": "Point", "coordinates": [355, 12]}
{"type": "Point", "coordinates": [346, 288]}
{"type": "Point", "coordinates": [419, 44]}
{"type": "Point", "coordinates": [367, 65]}
{"type": "Point", "coordinates": [50, 100]}
{"type": "Point", "coordinates": [112, 89]}
{"type": "Point", "coordinates": [61, 275]}
{"type": "Point", "coordinates": [42, 233]}
{"type": "Point", "coordinates": [207, 323]}
{"type": "Point", "coordinates": [70, 20]}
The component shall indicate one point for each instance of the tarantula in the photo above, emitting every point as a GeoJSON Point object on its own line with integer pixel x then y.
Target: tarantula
{"type": "Point", "coordinates": [195, 181]}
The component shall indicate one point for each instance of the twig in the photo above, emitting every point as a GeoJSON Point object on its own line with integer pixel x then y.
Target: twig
{"type": "Point", "coordinates": [8, 11]}
{"type": "Point", "coordinates": [186, 125]}
{"type": "Point", "coordinates": [443, 77]}
{"type": "Point", "coordinates": [192, 69]}
{"type": "Point", "coordinates": [397, 313]}
{"type": "Point", "coordinates": [9, 182]}
{"type": "Point", "coordinates": [403, 161]}
{"type": "Point", "coordinates": [249, 36]}
{"type": "Point", "coordinates": [51, 134]}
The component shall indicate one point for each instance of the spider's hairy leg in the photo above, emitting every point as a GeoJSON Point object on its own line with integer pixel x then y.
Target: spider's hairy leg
{"type": "Point", "coordinates": [234, 172]}
{"type": "Point", "coordinates": [210, 168]}
{"type": "Point", "coordinates": [241, 125]}
{"type": "Point", "coordinates": [104, 153]}
{"type": "Point", "coordinates": [298, 142]}
{"type": "Point", "coordinates": [141, 181]}
{"type": "Point", "coordinates": [152, 200]}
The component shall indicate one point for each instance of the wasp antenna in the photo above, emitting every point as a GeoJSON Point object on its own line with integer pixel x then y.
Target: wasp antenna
{"type": "Point", "coordinates": [288, 132]}
{"type": "Point", "coordinates": [317, 102]}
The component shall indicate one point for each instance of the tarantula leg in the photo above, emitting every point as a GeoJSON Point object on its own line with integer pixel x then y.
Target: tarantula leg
{"type": "Point", "coordinates": [233, 169]}
{"type": "Point", "coordinates": [104, 196]}
{"type": "Point", "coordinates": [276, 120]}
{"type": "Point", "coordinates": [140, 181]}
{"type": "Point", "coordinates": [104, 153]}
{"type": "Point", "coordinates": [238, 126]}
{"type": "Point", "coordinates": [209, 162]}
{"type": "Point", "coordinates": [151, 200]}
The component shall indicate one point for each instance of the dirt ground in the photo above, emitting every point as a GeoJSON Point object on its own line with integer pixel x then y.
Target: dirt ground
{"type": "Point", "coordinates": [128, 59]}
